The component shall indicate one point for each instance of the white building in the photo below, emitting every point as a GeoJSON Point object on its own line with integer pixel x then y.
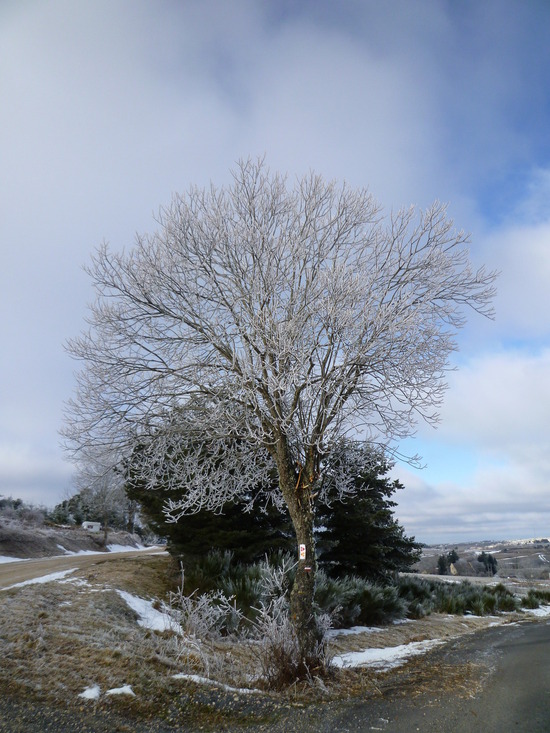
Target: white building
{"type": "Point", "coordinates": [91, 526]}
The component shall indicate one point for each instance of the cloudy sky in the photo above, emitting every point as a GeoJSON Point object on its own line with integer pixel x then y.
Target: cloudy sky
{"type": "Point", "coordinates": [109, 106]}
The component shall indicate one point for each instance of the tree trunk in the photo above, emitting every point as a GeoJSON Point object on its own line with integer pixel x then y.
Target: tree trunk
{"type": "Point", "coordinates": [296, 490]}
{"type": "Point", "coordinates": [303, 591]}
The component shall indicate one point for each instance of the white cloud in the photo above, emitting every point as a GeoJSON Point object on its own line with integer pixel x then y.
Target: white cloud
{"type": "Point", "coordinates": [499, 401]}
{"type": "Point", "coordinates": [492, 469]}
{"type": "Point", "coordinates": [109, 107]}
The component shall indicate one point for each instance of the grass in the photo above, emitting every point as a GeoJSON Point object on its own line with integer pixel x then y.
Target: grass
{"type": "Point", "coordinates": [61, 637]}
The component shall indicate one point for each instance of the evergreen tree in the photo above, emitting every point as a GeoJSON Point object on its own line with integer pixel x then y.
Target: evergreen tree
{"type": "Point", "coordinates": [357, 536]}
{"type": "Point", "coordinates": [443, 564]}
{"type": "Point", "coordinates": [360, 535]}
{"type": "Point", "coordinates": [249, 532]}
{"type": "Point", "coordinates": [489, 562]}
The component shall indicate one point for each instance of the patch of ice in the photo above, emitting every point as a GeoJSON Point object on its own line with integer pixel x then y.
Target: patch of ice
{"type": "Point", "coordinates": [206, 681]}
{"type": "Point", "coordinates": [149, 617]}
{"type": "Point", "coordinates": [91, 693]}
{"type": "Point", "coordinates": [44, 579]}
{"type": "Point", "coordinates": [124, 690]}
{"type": "Point", "coordinates": [386, 658]}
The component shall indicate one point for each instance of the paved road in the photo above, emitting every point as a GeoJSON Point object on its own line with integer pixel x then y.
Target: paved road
{"type": "Point", "coordinates": [515, 695]}
{"type": "Point", "coordinates": [22, 570]}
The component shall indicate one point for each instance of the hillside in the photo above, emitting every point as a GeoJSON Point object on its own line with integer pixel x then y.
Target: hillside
{"type": "Point", "coordinates": [19, 539]}
{"type": "Point", "coordinates": [527, 559]}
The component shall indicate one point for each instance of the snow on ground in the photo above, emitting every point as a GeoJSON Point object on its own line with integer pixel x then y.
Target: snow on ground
{"type": "Point", "coordinates": [44, 579]}
{"type": "Point", "coordinates": [124, 548]}
{"type": "Point", "coordinates": [3, 558]}
{"type": "Point", "coordinates": [149, 617]}
{"type": "Point", "coordinates": [94, 692]}
{"type": "Point", "coordinates": [79, 552]}
{"type": "Point", "coordinates": [541, 611]}
{"type": "Point", "coordinates": [124, 690]}
{"type": "Point", "coordinates": [110, 548]}
{"type": "Point", "coordinates": [91, 693]}
{"type": "Point", "coordinates": [386, 658]}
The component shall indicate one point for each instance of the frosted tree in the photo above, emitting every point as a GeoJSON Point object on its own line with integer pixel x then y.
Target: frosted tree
{"type": "Point", "coordinates": [257, 328]}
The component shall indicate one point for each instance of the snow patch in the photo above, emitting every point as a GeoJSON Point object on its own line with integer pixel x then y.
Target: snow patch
{"type": "Point", "coordinates": [541, 611]}
{"type": "Point", "coordinates": [91, 693]}
{"type": "Point", "coordinates": [126, 548]}
{"type": "Point", "coordinates": [44, 579]}
{"type": "Point", "coordinates": [148, 617]}
{"type": "Point", "coordinates": [386, 658]}
{"type": "Point", "coordinates": [4, 558]}
{"type": "Point", "coordinates": [207, 681]}
{"type": "Point", "coordinates": [124, 690]}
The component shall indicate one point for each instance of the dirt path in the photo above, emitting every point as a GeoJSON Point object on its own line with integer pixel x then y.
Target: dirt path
{"type": "Point", "coordinates": [20, 571]}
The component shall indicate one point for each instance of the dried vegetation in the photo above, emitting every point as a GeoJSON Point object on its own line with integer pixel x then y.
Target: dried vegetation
{"type": "Point", "coordinates": [61, 637]}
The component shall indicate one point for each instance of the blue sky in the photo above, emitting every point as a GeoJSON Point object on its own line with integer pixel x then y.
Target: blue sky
{"type": "Point", "coordinates": [110, 106]}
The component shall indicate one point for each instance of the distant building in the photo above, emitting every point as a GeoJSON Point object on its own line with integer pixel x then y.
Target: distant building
{"type": "Point", "coordinates": [91, 526]}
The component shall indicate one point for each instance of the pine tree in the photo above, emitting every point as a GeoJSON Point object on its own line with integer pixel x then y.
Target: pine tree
{"type": "Point", "coordinates": [357, 536]}
{"type": "Point", "coordinates": [249, 535]}
{"type": "Point", "coordinates": [361, 535]}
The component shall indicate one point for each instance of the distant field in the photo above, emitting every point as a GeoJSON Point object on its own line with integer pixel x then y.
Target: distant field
{"type": "Point", "coordinates": [517, 559]}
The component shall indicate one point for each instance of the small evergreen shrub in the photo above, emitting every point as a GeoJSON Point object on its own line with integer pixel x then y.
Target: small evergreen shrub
{"type": "Point", "coordinates": [531, 600]}
{"type": "Point", "coordinates": [535, 598]}
{"type": "Point", "coordinates": [351, 601]}
{"type": "Point", "coordinates": [431, 596]}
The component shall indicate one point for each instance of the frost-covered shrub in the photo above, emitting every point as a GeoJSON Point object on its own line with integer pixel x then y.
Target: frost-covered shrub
{"type": "Point", "coordinates": [218, 571]}
{"type": "Point", "coordinates": [277, 649]}
{"type": "Point", "coordinates": [205, 616]}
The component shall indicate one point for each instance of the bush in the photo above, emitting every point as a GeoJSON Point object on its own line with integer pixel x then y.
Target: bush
{"type": "Point", "coordinates": [426, 596]}
{"type": "Point", "coordinates": [350, 601]}
{"type": "Point", "coordinates": [535, 598]}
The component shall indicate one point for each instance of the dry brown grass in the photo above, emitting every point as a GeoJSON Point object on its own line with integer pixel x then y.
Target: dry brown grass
{"type": "Point", "coordinates": [58, 638]}
{"type": "Point", "coordinates": [61, 637]}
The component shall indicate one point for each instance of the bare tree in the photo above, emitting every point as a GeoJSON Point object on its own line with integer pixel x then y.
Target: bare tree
{"type": "Point", "coordinates": [101, 492]}
{"type": "Point", "coordinates": [284, 318]}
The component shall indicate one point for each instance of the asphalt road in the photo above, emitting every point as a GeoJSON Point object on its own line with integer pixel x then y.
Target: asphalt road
{"type": "Point", "coordinates": [12, 573]}
{"type": "Point", "coordinates": [515, 694]}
